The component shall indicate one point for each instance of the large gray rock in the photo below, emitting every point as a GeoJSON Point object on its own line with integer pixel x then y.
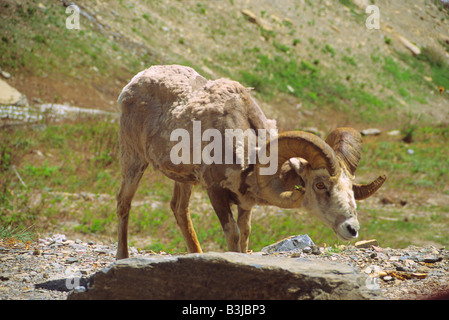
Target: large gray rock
{"type": "Point", "coordinates": [226, 276]}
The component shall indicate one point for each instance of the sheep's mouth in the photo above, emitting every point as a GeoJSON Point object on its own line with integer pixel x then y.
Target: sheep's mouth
{"type": "Point", "coordinates": [346, 232]}
{"type": "Point", "coordinates": [346, 238]}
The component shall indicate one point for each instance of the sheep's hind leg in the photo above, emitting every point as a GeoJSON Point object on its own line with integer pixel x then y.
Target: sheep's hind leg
{"type": "Point", "coordinates": [180, 207]}
{"type": "Point", "coordinates": [132, 171]}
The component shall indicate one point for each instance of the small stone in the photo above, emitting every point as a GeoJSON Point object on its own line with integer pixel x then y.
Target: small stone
{"type": "Point", "coordinates": [307, 250]}
{"type": "Point", "coordinates": [406, 257]}
{"type": "Point", "coordinates": [431, 259]}
{"type": "Point", "coordinates": [42, 7]}
{"type": "Point", "coordinates": [295, 255]}
{"type": "Point", "coordinates": [100, 251]}
{"type": "Point", "coordinates": [59, 238]}
{"type": "Point", "coordinates": [394, 133]}
{"type": "Point", "coordinates": [71, 260]}
{"type": "Point", "coordinates": [423, 269]}
{"type": "Point", "coordinates": [399, 267]}
{"type": "Point", "coordinates": [378, 249]}
{"type": "Point", "coordinates": [366, 244]}
{"type": "Point", "coordinates": [316, 250]}
{"type": "Point", "coordinates": [5, 74]}
{"type": "Point", "coordinates": [387, 278]}
{"type": "Point", "coordinates": [370, 132]}
{"type": "Point", "coordinates": [79, 289]}
{"type": "Point", "coordinates": [394, 258]}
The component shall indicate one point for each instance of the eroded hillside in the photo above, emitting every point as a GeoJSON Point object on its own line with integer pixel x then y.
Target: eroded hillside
{"type": "Point", "coordinates": [318, 55]}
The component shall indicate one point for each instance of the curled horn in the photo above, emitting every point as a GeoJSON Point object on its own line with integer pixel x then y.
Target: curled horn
{"type": "Point", "coordinates": [347, 144]}
{"type": "Point", "coordinates": [290, 145]}
{"type": "Point", "coordinates": [363, 191]}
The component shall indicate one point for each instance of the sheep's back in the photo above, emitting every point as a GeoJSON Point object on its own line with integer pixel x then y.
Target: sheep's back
{"type": "Point", "coordinates": [159, 86]}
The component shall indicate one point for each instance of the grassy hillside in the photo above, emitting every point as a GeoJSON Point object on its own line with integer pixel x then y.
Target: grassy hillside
{"type": "Point", "coordinates": [311, 64]}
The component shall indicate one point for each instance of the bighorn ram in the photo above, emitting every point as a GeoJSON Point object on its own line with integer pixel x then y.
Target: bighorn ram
{"type": "Point", "coordinates": [311, 173]}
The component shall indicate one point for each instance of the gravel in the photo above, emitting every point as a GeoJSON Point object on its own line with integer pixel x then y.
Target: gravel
{"type": "Point", "coordinates": [49, 268]}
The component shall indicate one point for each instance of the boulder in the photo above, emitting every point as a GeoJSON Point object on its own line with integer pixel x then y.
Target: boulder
{"type": "Point", "coordinates": [10, 96]}
{"type": "Point", "coordinates": [225, 276]}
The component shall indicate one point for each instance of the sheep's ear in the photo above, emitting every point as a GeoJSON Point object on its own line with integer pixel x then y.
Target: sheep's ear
{"type": "Point", "coordinates": [298, 164]}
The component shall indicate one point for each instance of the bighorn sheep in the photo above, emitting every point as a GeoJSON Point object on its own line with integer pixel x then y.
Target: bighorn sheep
{"type": "Point", "coordinates": [311, 173]}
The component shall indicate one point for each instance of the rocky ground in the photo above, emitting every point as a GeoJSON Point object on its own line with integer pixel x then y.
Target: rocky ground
{"type": "Point", "coordinates": [49, 268]}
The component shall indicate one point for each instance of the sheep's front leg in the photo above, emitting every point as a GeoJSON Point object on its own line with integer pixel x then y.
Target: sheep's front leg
{"type": "Point", "coordinates": [180, 207]}
{"type": "Point", "coordinates": [219, 199]}
{"type": "Point", "coordinates": [244, 223]}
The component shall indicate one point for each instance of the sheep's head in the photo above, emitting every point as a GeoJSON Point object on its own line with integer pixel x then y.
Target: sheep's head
{"type": "Point", "coordinates": [319, 175]}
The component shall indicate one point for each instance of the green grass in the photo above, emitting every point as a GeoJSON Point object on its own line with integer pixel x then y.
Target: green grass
{"type": "Point", "coordinates": [420, 164]}
{"type": "Point", "coordinates": [37, 42]}
{"type": "Point", "coordinates": [17, 234]}
{"type": "Point", "coordinates": [314, 86]}
{"type": "Point", "coordinates": [415, 227]}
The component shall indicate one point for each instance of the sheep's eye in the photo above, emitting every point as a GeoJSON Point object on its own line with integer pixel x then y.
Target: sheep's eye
{"type": "Point", "coordinates": [320, 186]}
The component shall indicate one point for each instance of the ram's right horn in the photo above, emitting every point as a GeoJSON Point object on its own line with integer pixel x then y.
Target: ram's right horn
{"type": "Point", "coordinates": [347, 144]}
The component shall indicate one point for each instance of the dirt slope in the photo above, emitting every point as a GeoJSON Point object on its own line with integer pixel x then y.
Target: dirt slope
{"type": "Point", "coordinates": [216, 38]}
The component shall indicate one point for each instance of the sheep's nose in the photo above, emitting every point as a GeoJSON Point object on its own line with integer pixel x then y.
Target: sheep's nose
{"type": "Point", "coordinates": [351, 230]}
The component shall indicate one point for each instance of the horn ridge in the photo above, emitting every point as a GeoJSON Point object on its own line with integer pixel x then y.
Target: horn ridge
{"type": "Point", "coordinates": [307, 146]}
{"type": "Point", "coordinates": [347, 144]}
